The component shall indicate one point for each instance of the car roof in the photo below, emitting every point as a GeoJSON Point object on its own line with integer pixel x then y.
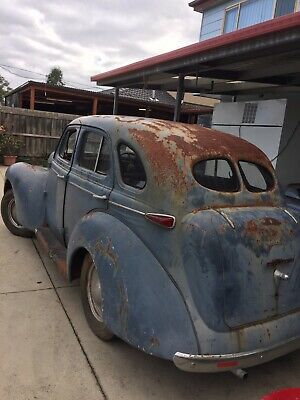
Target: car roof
{"type": "Point", "coordinates": [169, 150]}
{"type": "Point", "coordinates": [165, 138]}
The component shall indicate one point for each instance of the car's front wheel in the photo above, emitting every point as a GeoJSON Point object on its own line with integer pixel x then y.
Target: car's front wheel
{"type": "Point", "coordinates": [9, 216]}
{"type": "Point", "coordinates": [91, 297]}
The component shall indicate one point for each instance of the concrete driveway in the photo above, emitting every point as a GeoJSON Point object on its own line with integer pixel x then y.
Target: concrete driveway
{"type": "Point", "coordinates": [48, 352]}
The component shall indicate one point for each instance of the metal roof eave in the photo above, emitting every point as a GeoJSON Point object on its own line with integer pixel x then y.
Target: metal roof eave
{"type": "Point", "coordinates": [269, 38]}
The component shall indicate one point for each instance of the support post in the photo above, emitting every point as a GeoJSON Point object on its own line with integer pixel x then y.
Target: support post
{"type": "Point", "coordinates": [20, 105]}
{"type": "Point", "coordinates": [95, 106]}
{"type": "Point", "coordinates": [179, 98]}
{"type": "Point", "coordinates": [116, 101]}
{"type": "Point", "coordinates": [32, 98]}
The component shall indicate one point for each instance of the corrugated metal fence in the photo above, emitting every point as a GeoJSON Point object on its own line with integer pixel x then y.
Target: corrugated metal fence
{"type": "Point", "coordinates": [38, 130]}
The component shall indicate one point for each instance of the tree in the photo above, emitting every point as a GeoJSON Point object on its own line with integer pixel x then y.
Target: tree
{"type": "Point", "coordinates": [55, 77]}
{"type": "Point", "coordinates": [4, 89]}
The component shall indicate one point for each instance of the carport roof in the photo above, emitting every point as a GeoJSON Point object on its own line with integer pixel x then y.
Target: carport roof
{"type": "Point", "coordinates": [264, 57]}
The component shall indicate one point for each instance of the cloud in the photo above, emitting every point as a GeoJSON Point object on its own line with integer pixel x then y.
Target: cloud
{"type": "Point", "coordinates": [86, 38]}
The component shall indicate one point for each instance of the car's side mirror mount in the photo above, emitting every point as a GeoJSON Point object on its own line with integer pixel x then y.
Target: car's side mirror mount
{"type": "Point", "coordinates": [50, 159]}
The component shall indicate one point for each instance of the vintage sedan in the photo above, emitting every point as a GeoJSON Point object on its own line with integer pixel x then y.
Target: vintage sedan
{"type": "Point", "coordinates": [180, 235]}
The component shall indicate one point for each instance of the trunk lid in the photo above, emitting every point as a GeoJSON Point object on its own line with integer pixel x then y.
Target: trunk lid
{"type": "Point", "coordinates": [255, 242]}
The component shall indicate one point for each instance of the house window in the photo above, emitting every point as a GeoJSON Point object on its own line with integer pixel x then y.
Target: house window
{"type": "Point", "coordinates": [250, 12]}
{"type": "Point", "coordinates": [255, 11]}
{"type": "Point", "coordinates": [284, 7]}
{"type": "Point", "coordinates": [231, 18]}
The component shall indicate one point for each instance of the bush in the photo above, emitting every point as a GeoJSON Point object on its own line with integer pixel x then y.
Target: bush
{"type": "Point", "coordinates": [9, 144]}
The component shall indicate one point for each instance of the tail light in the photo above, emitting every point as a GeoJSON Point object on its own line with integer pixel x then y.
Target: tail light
{"type": "Point", "coordinates": [166, 221]}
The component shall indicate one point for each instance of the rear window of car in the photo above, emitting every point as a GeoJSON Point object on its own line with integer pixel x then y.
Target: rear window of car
{"type": "Point", "coordinates": [216, 174]}
{"type": "Point", "coordinates": [256, 177]}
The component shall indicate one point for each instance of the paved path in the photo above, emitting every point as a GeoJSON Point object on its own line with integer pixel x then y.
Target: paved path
{"type": "Point", "coordinates": [48, 352]}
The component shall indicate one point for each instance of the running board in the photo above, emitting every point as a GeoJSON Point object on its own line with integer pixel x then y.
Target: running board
{"type": "Point", "coordinates": [56, 251]}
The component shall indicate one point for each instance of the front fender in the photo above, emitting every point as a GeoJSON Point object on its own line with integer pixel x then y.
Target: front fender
{"type": "Point", "coordinates": [140, 302]}
{"type": "Point", "coordinates": [28, 183]}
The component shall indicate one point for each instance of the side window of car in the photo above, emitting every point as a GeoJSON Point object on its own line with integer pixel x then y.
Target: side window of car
{"type": "Point", "coordinates": [131, 167]}
{"type": "Point", "coordinates": [90, 149]}
{"type": "Point", "coordinates": [95, 153]}
{"type": "Point", "coordinates": [66, 148]}
{"type": "Point", "coordinates": [103, 163]}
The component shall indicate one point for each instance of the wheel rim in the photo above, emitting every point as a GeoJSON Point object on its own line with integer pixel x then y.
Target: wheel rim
{"type": "Point", "coordinates": [12, 213]}
{"type": "Point", "coordinates": [94, 293]}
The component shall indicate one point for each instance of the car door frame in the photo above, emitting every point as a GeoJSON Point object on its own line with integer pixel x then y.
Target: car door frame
{"type": "Point", "coordinates": [56, 185]}
{"type": "Point", "coordinates": [87, 184]}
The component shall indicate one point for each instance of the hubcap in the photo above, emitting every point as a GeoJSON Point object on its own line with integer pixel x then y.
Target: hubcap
{"type": "Point", "coordinates": [12, 213]}
{"type": "Point", "coordinates": [94, 293]}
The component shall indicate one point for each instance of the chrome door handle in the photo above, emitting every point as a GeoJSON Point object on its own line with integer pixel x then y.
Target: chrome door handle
{"type": "Point", "coordinates": [280, 275]}
{"type": "Point", "coordinates": [61, 176]}
{"type": "Point", "coordinates": [102, 197]}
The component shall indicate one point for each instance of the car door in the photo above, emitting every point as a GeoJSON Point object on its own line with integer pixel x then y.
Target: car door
{"type": "Point", "coordinates": [57, 178]}
{"type": "Point", "coordinates": [90, 181]}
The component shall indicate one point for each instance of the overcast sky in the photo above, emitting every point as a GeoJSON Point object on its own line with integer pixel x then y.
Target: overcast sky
{"type": "Point", "coordinates": [91, 36]}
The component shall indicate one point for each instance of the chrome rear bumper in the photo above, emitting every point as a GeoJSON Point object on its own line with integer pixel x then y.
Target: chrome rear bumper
{"type": "Point", "coordinates": [229, 362]}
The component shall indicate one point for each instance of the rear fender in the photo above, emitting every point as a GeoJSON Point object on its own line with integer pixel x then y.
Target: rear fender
{"type": "Point", "coordinates": [28, 183]}
{"type": "Point", "coordinates": [140, 302]}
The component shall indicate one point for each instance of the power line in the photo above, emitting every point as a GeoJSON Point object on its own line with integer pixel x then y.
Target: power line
{"type": "Point", "coordinates": [7, 69]}
{"type": "Point", "coordinates": [14, 73]}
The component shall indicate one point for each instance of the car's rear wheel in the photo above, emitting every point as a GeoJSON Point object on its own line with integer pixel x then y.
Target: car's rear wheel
{"type": "Point", "coordinates": [91, 297]}
{"type": "Point", "coordinates": [9, 216]}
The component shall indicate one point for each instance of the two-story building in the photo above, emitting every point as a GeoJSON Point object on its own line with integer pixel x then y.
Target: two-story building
{"type": "Point", "coordinates": [269, 120]}
{"type": "Point", "coordinates": [249, 57]}
{"type": "Point", "coordinates": [224, 16]}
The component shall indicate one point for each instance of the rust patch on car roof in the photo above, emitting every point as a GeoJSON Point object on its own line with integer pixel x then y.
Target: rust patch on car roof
{"type": "Point", "coordinates": [172, 148]}
{"type": "Point", "coordinates": [196, 141]}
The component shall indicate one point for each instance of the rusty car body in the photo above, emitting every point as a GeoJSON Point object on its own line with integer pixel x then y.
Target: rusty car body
{"type": "Point", "coordinates": [194, 265]}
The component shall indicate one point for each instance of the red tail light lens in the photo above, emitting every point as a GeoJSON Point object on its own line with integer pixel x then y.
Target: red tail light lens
{"type": "Point", "coordinates": [166, 221]}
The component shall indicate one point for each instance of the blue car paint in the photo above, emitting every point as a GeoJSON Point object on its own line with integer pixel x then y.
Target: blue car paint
{"type": "Point", "coordinates": [141, 303]}
{"type": "Point", "coordinates": [29, 185]}
{"type": "Point", "coordinates": [179, 289]}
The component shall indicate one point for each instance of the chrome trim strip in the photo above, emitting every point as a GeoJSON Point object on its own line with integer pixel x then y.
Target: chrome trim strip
{"type": "Point", "coordinates": [291, 215]}
{"type": "Point", "coordinates": [86, 190]}
{"type": "Point", "coordinates": [225, 216]}
{"type": "Point", "coordinates": [209, 362]}
{"type": "Point", "coordinates": [126, 208]}
{"type": "Point", "coordinates": [143, 213]}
